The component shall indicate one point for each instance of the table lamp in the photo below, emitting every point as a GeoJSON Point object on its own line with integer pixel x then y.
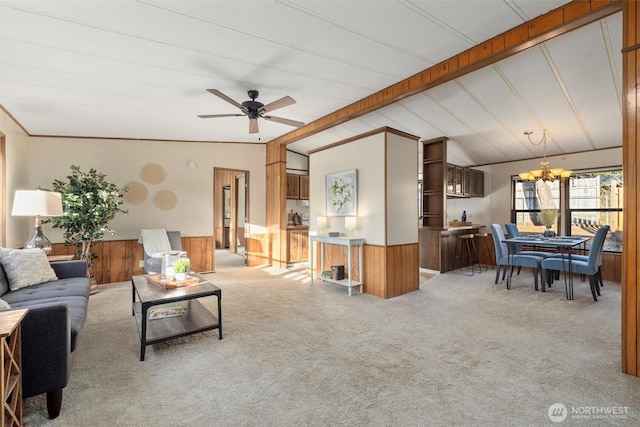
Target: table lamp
{"type": "Point", "coordinates": [350, 223]}
{"type": "Point", "coordinates": [37, 203]}
{"type": "Point", "coordinates": [321, 223]}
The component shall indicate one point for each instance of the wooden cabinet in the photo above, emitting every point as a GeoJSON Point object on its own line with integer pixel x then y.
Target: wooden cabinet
{"type": "Point", "coordinates": [297, 245]}
{"type": "Point", "coordinates": [477, 183]}
{"type": "Point", "coordinates": [293, 186]}
{"type": "Point", "coordinates": [297, 186]}
{"type": "Point", "coordinates": [441, 180]}
{"type": "Point", "coordinates": [455, 180]}
{"type": "Point", "coordinates": [434, 173]}
{"type": "Point", "coordinates": [464, 182]}
{"type": "Point", "coordinates": [304, 187]}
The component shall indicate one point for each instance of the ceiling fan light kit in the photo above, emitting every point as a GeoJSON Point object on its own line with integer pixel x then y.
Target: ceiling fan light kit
{"type": "Point", "coordinates": [254, 110]}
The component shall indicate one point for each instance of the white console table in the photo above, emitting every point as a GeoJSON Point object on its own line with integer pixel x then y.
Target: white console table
{"type": "Point", "coordinates": [343, 241]}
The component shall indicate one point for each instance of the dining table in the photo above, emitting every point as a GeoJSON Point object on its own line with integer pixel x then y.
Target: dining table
{"type": "Point", "coordinates": [562, 244]}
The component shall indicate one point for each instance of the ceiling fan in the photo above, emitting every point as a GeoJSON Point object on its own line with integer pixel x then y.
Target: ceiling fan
{"type": "Point", "coordinates": [255, 110]}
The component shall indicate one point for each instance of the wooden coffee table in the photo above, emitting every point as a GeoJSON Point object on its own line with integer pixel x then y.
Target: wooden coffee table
{"type": "Point", "coordinates": [195, 319]}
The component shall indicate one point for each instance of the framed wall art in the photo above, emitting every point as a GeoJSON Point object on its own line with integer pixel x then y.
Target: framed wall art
{"type": "Point", "coordinates": [342, 193]}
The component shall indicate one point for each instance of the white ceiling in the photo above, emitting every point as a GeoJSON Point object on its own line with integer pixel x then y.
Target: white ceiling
{"type": "Point", "coordinates": [140, 69]}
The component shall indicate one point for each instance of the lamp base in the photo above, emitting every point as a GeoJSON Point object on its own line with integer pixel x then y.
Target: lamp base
{"type": "Point", "coordinates": [38, 240]}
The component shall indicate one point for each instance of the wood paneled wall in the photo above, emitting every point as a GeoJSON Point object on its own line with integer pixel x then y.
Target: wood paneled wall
{"type": "Point", "coordinates": [276, 200]}
{"type": "Point", "coordinates": [630, 164]}
{"type": "Point", "coordinates": [387, 271]}
{"type": "Point", "coordinates": [402, 269]}
{"type": "Point", "coordinates": [256, 247]}
{"type": "Point", "coordinates": [117, 260]}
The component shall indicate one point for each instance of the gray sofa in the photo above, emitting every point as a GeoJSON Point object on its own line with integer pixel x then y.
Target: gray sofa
{"type": "Point", "coordinates": [51, 329]}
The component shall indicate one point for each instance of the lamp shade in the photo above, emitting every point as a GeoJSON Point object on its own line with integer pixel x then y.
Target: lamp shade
{"type": "Point", "coordinates": [350, 222]}
{"type": "Point", "coordinates": [37, 202]}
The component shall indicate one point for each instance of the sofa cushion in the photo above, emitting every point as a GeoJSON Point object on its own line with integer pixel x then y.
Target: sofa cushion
{"type": "Point", "coordinates": [73, 286]}
{"type": "Point", "coordinates": [26, 267]}
{"type": "Point", "coordinates": [4, 282]}
{"type": "Point", "coordinates": [72, 293]}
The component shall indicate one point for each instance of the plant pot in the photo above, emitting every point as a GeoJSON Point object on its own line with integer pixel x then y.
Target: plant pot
{"type": "Point", "coordinates": [180, 277]}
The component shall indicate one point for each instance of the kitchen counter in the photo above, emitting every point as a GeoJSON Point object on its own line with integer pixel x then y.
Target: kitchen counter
{"type": "Point", "coordinates": [297, 227]}
{"type": "Point", "coordinates": [462, 227]}
{"type": "Point", "coordinates": [437, 245]}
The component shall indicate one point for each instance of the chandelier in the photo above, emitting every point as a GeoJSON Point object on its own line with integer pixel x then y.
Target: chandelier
{"type": "Point", "coordinates": [544, 174]}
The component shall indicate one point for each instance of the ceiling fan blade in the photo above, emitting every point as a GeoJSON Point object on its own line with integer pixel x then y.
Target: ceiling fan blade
{"type": "Point", "coordinates": [282, 102]}
{"type": "Point", "coordinates": [284, 121]}
{"type": "Point", "coordinates": [221, 95]}
{"type": "Point", "coordinates": [211, 116]}
{"type": "Point", "coordinates": [253, 125]}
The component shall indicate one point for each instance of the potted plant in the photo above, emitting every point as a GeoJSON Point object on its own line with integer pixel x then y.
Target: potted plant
{"type": "Point", "coordinates": [89, 203]}
{"type": "Point", "coordinates": [181, 267]}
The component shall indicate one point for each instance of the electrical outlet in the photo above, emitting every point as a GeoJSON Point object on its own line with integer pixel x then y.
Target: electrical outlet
{"type": "Point", "coordinates": [141, 263]}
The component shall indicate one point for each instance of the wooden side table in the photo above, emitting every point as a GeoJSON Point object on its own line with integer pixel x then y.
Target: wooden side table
{"type": "Point", "coordinates": [11, 358]}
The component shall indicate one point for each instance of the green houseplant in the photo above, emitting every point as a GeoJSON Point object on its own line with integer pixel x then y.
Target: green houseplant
{"type": "Point", "coordinates": [89, 203]}
{"type": "Point", "coordinates": [181, 268]}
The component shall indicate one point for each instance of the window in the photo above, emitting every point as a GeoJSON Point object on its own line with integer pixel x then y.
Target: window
{"type": "Point", "coordinates": [530, 198]}
{"type": "Point", "coordinates": [593, 198]}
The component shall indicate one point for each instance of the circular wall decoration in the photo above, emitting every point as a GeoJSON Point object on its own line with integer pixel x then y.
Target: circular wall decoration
{"type": "Point", "coordinates": [165, 200]}
{"type": "Point", "coordinates": [153, 173]}
{"type": "Point", "coordinates": [137, 193]}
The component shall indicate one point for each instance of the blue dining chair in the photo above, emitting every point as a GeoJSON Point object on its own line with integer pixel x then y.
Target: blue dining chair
{"type": "Point", "coordinates": [518, 260]}
{"type": "Point", "coordinates": [586, 258]}
{"type": "Point", "coordinates": [512, 231]}
{"type": "Point", "coordinates": [589, 265]}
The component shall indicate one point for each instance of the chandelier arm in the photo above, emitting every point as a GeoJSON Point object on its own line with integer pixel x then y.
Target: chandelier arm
{"type": "Point", "coordinates": [545, 173]}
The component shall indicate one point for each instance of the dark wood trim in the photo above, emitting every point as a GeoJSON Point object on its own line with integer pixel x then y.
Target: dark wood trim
{"type": "Point", "coordinates": [384, 129]}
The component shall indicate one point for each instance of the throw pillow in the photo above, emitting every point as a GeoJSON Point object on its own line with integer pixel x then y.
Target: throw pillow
{"type": "Point", "coordinates": [26, 267]}
{"type": "Point", "coordinates": [4, 305]}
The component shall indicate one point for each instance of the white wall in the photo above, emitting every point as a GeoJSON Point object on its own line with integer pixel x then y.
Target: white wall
{"type": "Point", "coordinates": [401, 190]}
{"type": "Point", "coordinates": [387, 187]}
{"type": "Point", "coordinates": [367, 156]}
{"type": "Point", "coordinates": [122, 161]}
{"type": "Point", "coordinates": [500, 176]}
{"type": "Point", "coordinates": [297, 163]}
{"type": "Point", "coordinates": [19, 229]}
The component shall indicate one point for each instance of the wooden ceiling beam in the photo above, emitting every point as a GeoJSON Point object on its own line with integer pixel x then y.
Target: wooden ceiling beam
{"type": "Point", "coordinates": [538, 30]}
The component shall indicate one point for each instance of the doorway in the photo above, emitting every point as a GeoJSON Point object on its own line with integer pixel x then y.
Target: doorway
{"type": "Point", "coordinates": [230, 213]}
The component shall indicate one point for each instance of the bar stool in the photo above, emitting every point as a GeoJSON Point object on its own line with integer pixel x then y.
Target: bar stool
{"type": "Point", "coordinates": [482, 243]}
{"type": "Point", "coordinates": [472, 254]}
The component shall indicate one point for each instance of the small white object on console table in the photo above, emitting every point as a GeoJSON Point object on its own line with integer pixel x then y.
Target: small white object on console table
{"type": "Point", "coordinates": [344, 241]}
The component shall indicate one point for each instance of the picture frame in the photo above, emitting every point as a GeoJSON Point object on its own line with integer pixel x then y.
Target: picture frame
{"type": "Point", "coordinates": [342, 193]}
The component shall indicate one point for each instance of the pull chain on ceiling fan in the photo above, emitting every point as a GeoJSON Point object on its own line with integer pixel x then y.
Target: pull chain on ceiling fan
{"type": "Point", "coordinates": [254, 110]}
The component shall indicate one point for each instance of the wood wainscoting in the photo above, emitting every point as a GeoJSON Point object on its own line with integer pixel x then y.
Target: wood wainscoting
{"type": "Point", "coordinates": [388, 271]}
{"type": "Point", "coordinates": [118, 260]}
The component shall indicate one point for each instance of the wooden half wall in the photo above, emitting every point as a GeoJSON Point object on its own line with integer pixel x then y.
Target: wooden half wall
{"type": "Point", "coordinates": [388, 271]}
{"type": "Point", "coordinates": [118, 260]}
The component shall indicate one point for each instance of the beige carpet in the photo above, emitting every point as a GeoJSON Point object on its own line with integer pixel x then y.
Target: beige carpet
{"type": "Point", "coordinates": [460, 351]}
